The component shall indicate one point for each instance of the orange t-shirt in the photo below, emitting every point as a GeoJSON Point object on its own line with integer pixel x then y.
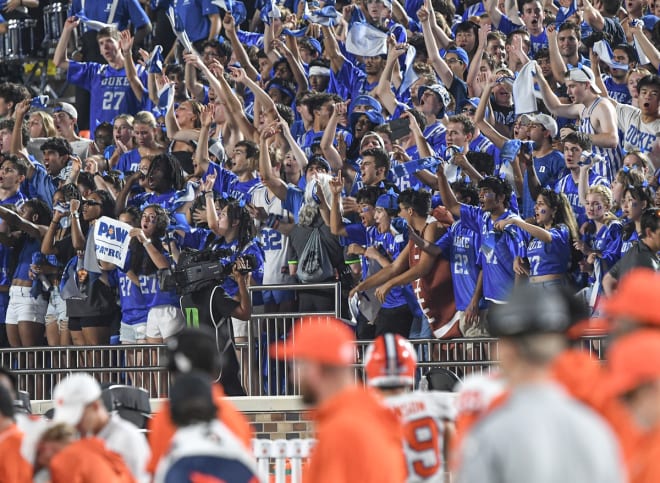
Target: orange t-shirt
{"type": "Point", "coordinates": [13, 467]}
{"type": "Point", "coordinates": [161, 429]}
{"type": "Point", "coordinates": [89, 460]}
{"type": "Point", "coordinates": [645, 464]}
{"type": "Point", "coordinates": [358, 438]}
{"type": "Point", "coordinates": [584, 379]}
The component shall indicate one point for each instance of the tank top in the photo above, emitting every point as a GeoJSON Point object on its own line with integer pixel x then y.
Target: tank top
{"type": "Point", "coordinates": [613, 156]}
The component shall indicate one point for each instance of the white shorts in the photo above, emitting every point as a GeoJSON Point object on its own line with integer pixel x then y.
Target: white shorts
{"type": "Point", "coordinates": [56, 308]}
{"type": "Point", "coordinates": [132, 333]}
{"type": "Point", "coordinates": [22, 307]}
{"type": "Point", "coordinates": [164, 321]}
{"type": "Point", "coordinates": [240, 327]}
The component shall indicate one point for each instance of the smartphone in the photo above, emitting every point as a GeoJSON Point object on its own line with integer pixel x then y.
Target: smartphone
{"type": "Point", "coordinates": [400, 128]}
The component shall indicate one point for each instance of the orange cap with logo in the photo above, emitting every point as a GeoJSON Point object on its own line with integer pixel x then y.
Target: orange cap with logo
{"type": "Point", "coordinates": [636, 297]}
{"type": "Point", "coordinates": [319, 338]}
{"type": "Point", "coordinates": [633, 360]}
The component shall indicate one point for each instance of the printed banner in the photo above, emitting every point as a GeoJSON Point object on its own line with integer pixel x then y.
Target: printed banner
{"type": "Point", "coordinates": [111, 240]}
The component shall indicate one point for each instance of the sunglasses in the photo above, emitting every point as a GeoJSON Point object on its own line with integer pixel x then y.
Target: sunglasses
{"type": "Point", "coordinates": [92, 203]}
{"type": "Point", "coordinates": [469, 111]}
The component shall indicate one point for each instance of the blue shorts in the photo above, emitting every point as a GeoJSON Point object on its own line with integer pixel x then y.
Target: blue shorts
{"type": "Point", "coordinates": [278, 296]}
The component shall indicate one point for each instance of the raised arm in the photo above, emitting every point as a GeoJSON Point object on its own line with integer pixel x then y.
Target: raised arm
{"type": "Point", "coordinates": [268, 177]}
{"type": "Point", "coordinates": [328, 149]}
{"type": "Point", "coordinates": [439, 65]}
{"type": "Point", "coordinates": [383, 89]}
{"type": "Point", "coordinates": [592, 16]}
{"type": "Point", "coordinates": [232, 103]}
{"type": "Point", "coordinates": [18, 223]}
{"type": "Point", "coordinates": [239, 51]}
{"type": "Point", "coordinates": [475, 66]}
{"type": "Point", "coordinates": [556, 60]}
{"type": "Point", "coordinates": [60, 58]}
{"type": "Point", "coordinates": [646, 45]}
{"type": "Point", "coordinates": [552, 102]}
{"type": "Point", "coordinates": [77, 236]}
{"type": "Point", "coordinates": [126, 46]}
{"type": "Point", "coordinates": [296, 67]}
{"type": "Point", "coordinates": [494, 13]}
{"type": "Point", "coordinates": [201, 156]}
{"type": "Point", "coordinates": [331, 49]}
{"type": "Point", "coordinates": [194, 87]}
{"type": "Point", "coordinates": [447, 195]}
{"type": "Point", "coordinates": [536, 231]}
{"type": "Point", "coordinates": [336, 224]}
{"type": "Point", "coordinates": [487, 81]}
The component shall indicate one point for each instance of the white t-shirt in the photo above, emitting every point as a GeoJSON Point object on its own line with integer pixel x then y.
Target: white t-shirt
{"type": "Point", "coordinates": [637, 135]}
{"type": "Point", "coordinates": [125, 438]}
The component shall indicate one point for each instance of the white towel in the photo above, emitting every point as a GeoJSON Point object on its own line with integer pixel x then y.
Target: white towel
{"type": "Point", "coordinates": [409, 74]}
{"type": "Point", "coordinates": [365, 40]}
{"type": "Point", "coordinates": [604, 51]}
{"type": "Point", "coordinates": [524, 97]}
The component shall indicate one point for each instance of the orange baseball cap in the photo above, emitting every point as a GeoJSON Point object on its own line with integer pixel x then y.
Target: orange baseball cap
{"type": "Point", "coordinates": [318, 338]}
{"type": "Point", "coordinates": [636, 297]}
{"type": "Point", "coordinates": [633, 360]}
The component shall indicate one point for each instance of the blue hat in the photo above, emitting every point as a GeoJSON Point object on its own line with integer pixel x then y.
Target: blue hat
{"type": "Point", "coordinates": [389, 200]}
{"type": "Point", "coordinates": [366, 100]}
{"type": "Point", "coordinates": [318, 160]}
{"type": "Point", "coordinates": [375, 117]}
{"type": "Point", "coordinates": [650, 21]}
{"type": "Point", "coordinates": [315, 44]}
{"type": "Point", "coordinates": [275, 83]}
{"type": "Point", "coordinates": [460, 53]}
{"type": "Point", "coordinates": [239, 12]}
{"type": "Point", "coordinates": [438, 89]}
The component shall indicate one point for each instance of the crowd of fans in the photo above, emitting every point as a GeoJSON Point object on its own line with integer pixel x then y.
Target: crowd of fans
{"type": "Point", "coordinates": [429, 155]}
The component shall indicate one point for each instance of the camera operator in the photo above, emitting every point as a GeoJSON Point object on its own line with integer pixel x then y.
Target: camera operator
{"type": "Point", "coordinates": [234, 247]}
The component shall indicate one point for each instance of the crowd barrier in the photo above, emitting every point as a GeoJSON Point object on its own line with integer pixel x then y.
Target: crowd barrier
{"type": "Point", "coordinates": [39, 369]}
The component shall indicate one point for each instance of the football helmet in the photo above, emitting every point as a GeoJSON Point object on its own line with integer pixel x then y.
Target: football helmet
{"type": "Point", "coordinates": [390, 362]}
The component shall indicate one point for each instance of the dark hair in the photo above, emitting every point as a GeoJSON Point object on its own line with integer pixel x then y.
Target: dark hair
{"type": "Point", "coordinates": [176, 69]}
{"type": "Point", "coordinates": [316, 100]}
{"type": "Point", "coordinates": [611, 7]}
{"type": "Point", "coordinates": [543, 53]}
{"type": "Point", "coordinates": [286, 113]}
{"type": "Point", "coordinates": [236, 212]}
{"type": "Point", "coordinates": [465, 121]}
{"type": "Point", "coordinates": [640, 194]}
{"type": "Point", "coordinates": [418, 200]}
{"type": "Point", "coordinates": [141, 262]}
{"type": "Point", "coordinates": [60, 145]}
{"type": "Point", "coordinates": [15, 93]}
{"type": "Point", "coordinates": [581, 139]}
{"type": "Point", "coordinates": [19, 164]}
{"type": "Point", "coordinates": [171, 167]}
{"type": "Point", "coordinates": [87, 180]}
{"type": "Point", "coordinates": [499, 186]}
{"type": "Point", "coordinates": [133, 212]}
{"type": "Point", "coordinates": [649, 220]}
{"type": "Point", "coordinates": [70, 192]}
{"type": "Point", "coordinates": [369, 195]}
{"type": "Point", "coordinates": [191, 400]}
{"type": "Point", "coordinates": [419, 117]}
{"type": "Point", "coordinates": [381, 158]}
{"type": "Point", "coordinates": [41, 209]}
{"type": "Point", "coordinates": [12, 379]}
{"type": "Point", "coordinates": [571, 26]}
{"type": "Point", "coordinates": [652, 80]}
{"type": "Point", "coordinates": [466, 190]}
{"type": "Point", "coordinates": [6, 403]}
{"type": "Point", "coordinates": [417, 41]}
{"type": "Point", "coordinates": [8, 124]}
{"type": "Point", "coordinates": [564, 214]}
{"type": "Point", "coordinates": [629, 50]}
{"type": "Point", "coordinates": [523, 33]}
{"type": "Point", "coordinates": [251, 148]}
{"type": "Point", "coordinates": [223, 49]}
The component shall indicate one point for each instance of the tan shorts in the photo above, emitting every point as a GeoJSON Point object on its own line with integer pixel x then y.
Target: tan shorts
{"type": "Point", "coordinates": [477, 330]}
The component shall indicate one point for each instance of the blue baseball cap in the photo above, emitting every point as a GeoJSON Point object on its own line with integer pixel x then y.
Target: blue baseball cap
{"type": "Point", "coordinates": [460, 53]}
{"type": "Point", "coordinates": [650, 21]}
{"type": "Point", "coordinates": [389, 200]}
{"type": "Point", "coordinates": [366, 100]}
{"type": "Point", "coordinates": [375, 117]}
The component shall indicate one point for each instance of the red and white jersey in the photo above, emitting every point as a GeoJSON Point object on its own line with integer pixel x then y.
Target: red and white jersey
{"type": "Point", "coordinates": [423, 415]}
{"type": "Point", "coordinates": [476, 393]}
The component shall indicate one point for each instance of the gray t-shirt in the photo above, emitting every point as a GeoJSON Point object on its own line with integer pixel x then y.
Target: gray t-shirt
{"type": "Point", "coordinates": [80, 148]}
{"type": "Point", "coordinates": [541, 435]}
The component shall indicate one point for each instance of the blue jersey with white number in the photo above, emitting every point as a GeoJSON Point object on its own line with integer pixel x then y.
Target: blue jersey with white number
{"type": "Point", "coordinates": [497, 251]}
{"type": "Point", "coordinates": [607, 241]}
{"type": "Point", "coordinates": [133, 299]}
{"type": "Point", "coordinates": [630, 242]}
{"type": "Point", "coordinates": [109, 90]}
{"type": "Point", "coordinates": [461, 246]}
{"type": "Point", "coordinates": [549, 169]}
{"type": "Point", "coordinates": [129, 162]}
{"type": "Point", "coordinates": [552, 258]}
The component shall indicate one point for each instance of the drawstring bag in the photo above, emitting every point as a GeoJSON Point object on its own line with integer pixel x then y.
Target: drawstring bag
{"type": "Point", "coordinates": [314, 263]}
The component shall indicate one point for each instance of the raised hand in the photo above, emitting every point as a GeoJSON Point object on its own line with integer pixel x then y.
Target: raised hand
{"type": "Point", "coordinates": [22, 108]}
{"type": "Point", "coordinates": [208, 112]}
{"type": "Point", "coordinates": [207, 184]}
{"type": "Point", "coordinates": [337, 184]}
{"type": "Point", "coordinates": [229, 23]}
{"type": "Point", "coordinates": [238, 74]}
{"type": "Point", "coordinates": [125, 41]}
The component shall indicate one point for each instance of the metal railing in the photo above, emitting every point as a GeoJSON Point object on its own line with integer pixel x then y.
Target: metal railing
{"type": "Point", "coordinates": [39, 369]}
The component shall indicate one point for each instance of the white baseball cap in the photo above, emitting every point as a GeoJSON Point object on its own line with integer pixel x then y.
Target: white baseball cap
{"type": "Point", "coordinates": [584, 74]}
{"type": "Point", "coordinates": [66, 107]}
{"type": "Point", "coordinates": [543, 119]}
{"type": "Point", "coordinates": [72, 395]}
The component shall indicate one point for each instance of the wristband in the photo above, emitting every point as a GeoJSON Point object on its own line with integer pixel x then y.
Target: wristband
{"type": "Point", "coordinates": [146, 242]}
{"type": "Point", "coordinates": [205, 193]}
{"type": "Point", "coordinates": [76, 215]}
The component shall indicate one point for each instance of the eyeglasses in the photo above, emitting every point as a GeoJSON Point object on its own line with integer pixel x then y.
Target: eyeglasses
{"type": "Point", "coordinates": [453, 61]}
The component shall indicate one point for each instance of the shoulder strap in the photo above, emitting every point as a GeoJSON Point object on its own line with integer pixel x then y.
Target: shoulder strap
{"type": "Point", "coordinates": [113, 10]}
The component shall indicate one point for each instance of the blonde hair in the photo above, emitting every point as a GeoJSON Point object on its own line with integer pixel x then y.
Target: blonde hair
{"type": "Point", "coordinates": [59, 433]}
{"type": "Point", "coordinates": [47, 121]}
{"type": "Point", "coordinates": [146, 118]}
{"type": "Point", "coordinates": [608, 199]}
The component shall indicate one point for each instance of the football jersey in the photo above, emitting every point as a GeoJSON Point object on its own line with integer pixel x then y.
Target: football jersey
{"type": "Point", "coordinates": [277, 250]}
{"type": "Point", "coordinates": [109, 89]}
{"type": "Point", "coordinates": [423, 415]}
